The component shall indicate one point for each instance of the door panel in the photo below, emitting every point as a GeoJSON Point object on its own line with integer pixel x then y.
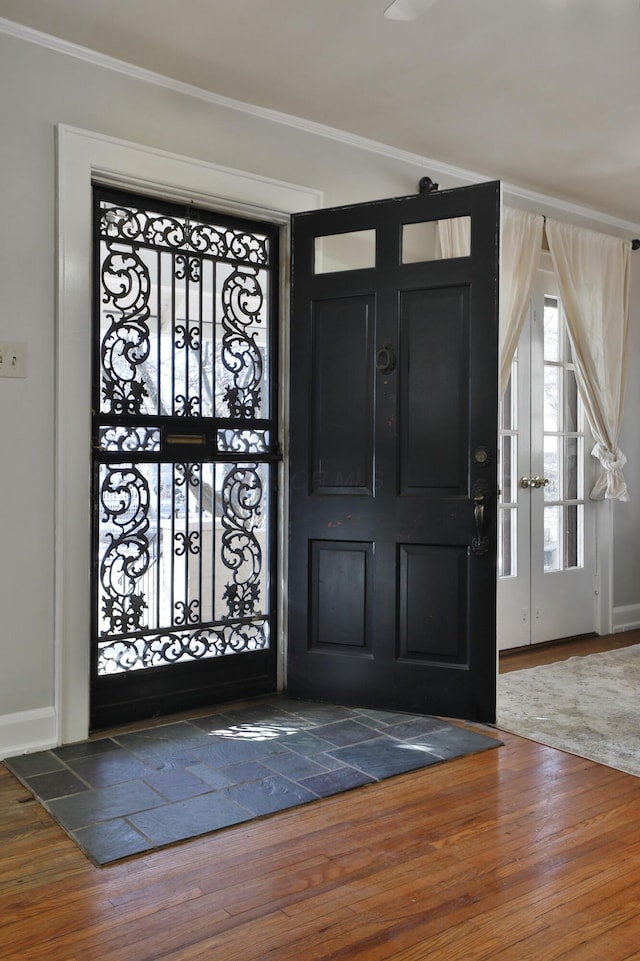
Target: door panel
{"type": "Point", "coordinates": [393, 393]}
{"type": "Point", "coordinates": [435, 350]}
{"type": "Point", "coordinates": [341, 595]}
{"type": "Point", "coordinates": [432, 625]}
{"type": "Point", "coordinates": [341, 379]}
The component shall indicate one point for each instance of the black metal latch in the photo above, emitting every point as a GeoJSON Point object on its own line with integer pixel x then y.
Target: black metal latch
{"type": "Point", "coordinates": [481, 492]}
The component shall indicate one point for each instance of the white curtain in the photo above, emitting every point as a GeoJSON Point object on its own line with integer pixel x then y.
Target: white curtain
{"type": "Point", "coordinates": [521, 243]}
{"type": "Point", "coordinates": [455, 237]}
{"type": "Point", "coordinates": [593, 272]}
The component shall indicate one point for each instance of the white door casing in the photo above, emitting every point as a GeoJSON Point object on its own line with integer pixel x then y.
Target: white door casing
{"type": "Point", "coordinates": [85, 157]}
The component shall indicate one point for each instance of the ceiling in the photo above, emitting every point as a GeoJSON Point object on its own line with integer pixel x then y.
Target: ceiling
{"type": "Point", "coordinates": [544, 94]}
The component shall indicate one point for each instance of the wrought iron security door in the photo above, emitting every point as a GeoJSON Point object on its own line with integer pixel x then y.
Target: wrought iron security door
{"type": "Point", "coordinates": [184, 452]}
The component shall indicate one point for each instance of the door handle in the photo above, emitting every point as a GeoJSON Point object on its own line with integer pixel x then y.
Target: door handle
{"type": "Point", "coordinates": [533, 482]}
{"type": "Point", "coordinates": [480, 493]}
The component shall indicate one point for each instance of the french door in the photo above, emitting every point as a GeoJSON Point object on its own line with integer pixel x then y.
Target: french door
{"type": "Point", "coordinates": [546, 529]}
{"type": "Point", "coordinates": [393, 455]}
{"type": "Point", "coordinates": [184, 456]}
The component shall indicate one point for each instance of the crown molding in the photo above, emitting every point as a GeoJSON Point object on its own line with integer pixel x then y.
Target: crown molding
{"type": "Point", "coordinates": [460, 175]}
{"type": "Point", "coordinates": [551, 206]}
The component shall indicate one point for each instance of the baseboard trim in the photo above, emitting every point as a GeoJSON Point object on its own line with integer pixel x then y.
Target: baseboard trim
{"type": "Point", "coordinates": [626, 618]}
{"type": "Point", "coordinates": [27, 731]}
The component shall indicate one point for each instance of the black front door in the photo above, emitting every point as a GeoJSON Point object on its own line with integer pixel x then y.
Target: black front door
{"type": "Point", "coordinates": [393, 454]}
{"type": "Point", "coordinates": [184, 450]}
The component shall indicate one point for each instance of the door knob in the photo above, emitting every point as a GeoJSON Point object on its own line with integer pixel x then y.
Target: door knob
{"type": "Point", "coordinates": [536, 482]}
{"type": "Point", "coordinates": [539, 482]}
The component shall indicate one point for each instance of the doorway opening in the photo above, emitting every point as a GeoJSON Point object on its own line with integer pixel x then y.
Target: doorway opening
{"type": "Point", "coordinates": [185, 452]}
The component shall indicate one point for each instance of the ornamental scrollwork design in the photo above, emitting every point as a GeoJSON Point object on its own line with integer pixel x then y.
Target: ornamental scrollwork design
{"type": "Point", "coordinates": [124, 503]}
{"type": "Point", "coordinates": [129, 439]}
{"type": "Point", "coordinates": [242, 498]}
{"type": "Point", "coordinates": [186, 542]}
{"type": "Point", "coordinates": [184, 336]}
{"type": "Point", "coordinates": [190, 266]}
{"type": "Point", "coordinates": [242, 302]}
{"type": "Point", "coordinates": [170, 647]}
{"type": "Point", "coordinates": [187, 474]}
{"type": "Point", "coordinates": [186, 406]}
{"type": "Point", "coordinates": [125, 345]}
{"type": "Point", "coordinates": [179, 233]}
{"type": "Point", "coordinates": [242, 441]}
{"type": "Point", "coordinates": [186, 612]}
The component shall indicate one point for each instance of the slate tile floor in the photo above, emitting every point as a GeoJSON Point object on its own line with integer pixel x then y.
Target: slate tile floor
{"type": "Point", "coordinates": [133, 792]}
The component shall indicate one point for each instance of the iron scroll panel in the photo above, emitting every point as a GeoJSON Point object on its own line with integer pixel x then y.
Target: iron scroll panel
{"type": "Point", "coordinates": [184, 434]}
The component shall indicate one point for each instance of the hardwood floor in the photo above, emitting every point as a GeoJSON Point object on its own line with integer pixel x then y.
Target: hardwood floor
{"type": "Point", "coordinates": [520, 853]}
{"type": "Point", "coordinates": [524, 657]}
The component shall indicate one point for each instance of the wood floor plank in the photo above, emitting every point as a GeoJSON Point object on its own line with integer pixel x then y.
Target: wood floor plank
{"type": "Point", "coordinates": [514, 854]}
{"type": "Point", "coordinates": [520, 658]}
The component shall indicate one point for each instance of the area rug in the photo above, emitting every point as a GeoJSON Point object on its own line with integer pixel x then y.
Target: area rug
{"type": "Point", "coordinates": [134, 792]}
{"type": "Point", "coordinates": [589, 706]}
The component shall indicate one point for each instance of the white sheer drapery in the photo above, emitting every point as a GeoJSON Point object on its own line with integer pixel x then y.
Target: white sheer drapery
{"type": "Point", "coordinates": [455, 237]}
{"type": "Point", "coordinates": [593, 272]}
{"type": "Point", "coordinates": [521, 243]}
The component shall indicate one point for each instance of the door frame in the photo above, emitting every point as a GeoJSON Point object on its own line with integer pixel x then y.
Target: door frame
{"type": "Point", "coordinates": [84, 157]}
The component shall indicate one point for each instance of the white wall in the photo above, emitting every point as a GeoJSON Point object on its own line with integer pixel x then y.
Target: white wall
{"type": "Point", "coordinates": [39, 88]}
{"type": "Point", "coordinates": [626, 517]}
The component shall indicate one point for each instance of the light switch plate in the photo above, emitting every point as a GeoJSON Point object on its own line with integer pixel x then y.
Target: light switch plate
{"type": "Point", "coordinates": [13, 359]}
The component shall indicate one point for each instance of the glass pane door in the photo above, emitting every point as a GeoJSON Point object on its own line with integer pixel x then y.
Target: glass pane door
{"type": "Point", "coordinates": [546, 559]}
{"type": "Point", "coordinates": [563, 429]}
